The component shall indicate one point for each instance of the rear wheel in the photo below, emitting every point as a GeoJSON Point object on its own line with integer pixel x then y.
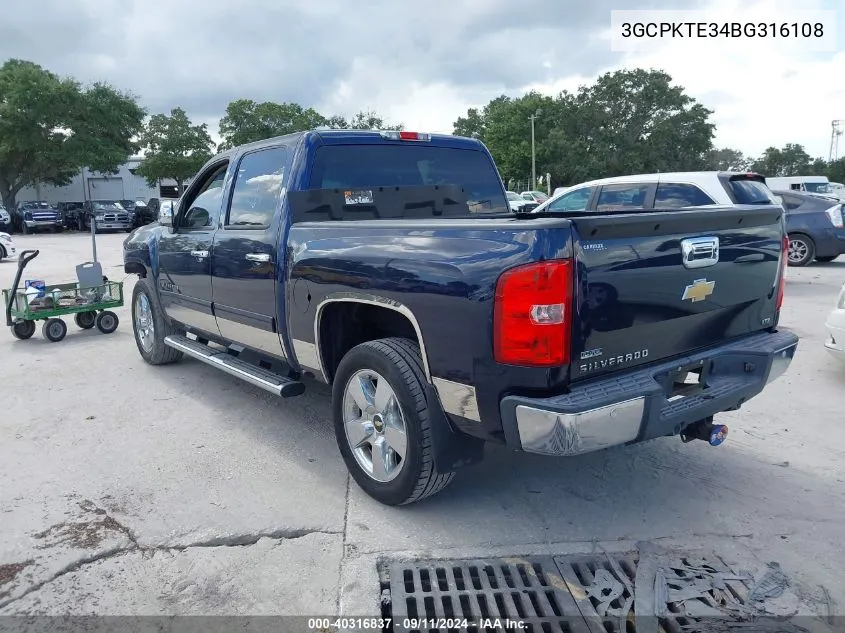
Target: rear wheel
{"type": "Point", "coordinates": [107, 322]}
{"type": "Point", "coordinates": [85, 320]}
{"type": "Point", "coordinates": [54, 330]}
{"type": "Point", "coordinates": [382, 422]}
{"type": "Point", "coordinates": [23, 329]}
{"type": "Point", "coordinates": [801, 250]}
{"type": "Point", "coordinates": [826, 258]}
{"type": "Point", "coordinates": [151, 326]}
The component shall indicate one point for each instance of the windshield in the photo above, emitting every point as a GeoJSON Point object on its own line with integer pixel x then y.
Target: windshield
{"type": "Point", "coordinates": [37, 205]}
{"type": "Point", "coordinates": [513, 196]}
{"type": "Point", "coordinates": [364, 166]}
{"type": "Point", "coordinates": [817, 187]}
{"type": "Point", "coordinates": [107, 206]}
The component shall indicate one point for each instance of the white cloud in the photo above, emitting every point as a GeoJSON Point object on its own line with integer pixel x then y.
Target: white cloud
{"type": "Point", "coordinates": [763, 92]}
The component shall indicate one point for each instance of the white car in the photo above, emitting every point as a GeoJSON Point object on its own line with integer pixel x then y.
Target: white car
{"type": "Point", "coordinates": [518, 203]}
{"type": "Point", "coordinates": [7, 247]}
{"type": "Point", "coordinates": [662, 191]}
{"type": "Point", "coordinates": [534, 196]}
{"type": "Point", "coordinates": [836, 328]}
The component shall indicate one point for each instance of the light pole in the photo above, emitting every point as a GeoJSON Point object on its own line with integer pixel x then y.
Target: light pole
{"type": "Point", "coordinates": [533, 152]}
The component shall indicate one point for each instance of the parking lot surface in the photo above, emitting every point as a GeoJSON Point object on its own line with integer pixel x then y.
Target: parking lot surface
{"type": "Point", "coordinates": [130, 489]}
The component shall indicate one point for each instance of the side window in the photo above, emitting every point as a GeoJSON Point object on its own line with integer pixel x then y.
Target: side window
{"type": "Point", "coordinates": [677, 195]}
{"type": "Point", "coordinates": [258, 184]}
{"type": "Point", "coordinates": [573, 201]}
{"type": "Point", "coordinates": [527, 196]}
{"type": "Point", "coordinates": [621, 197]}
{"type": "Point", "coordinates": [797, 186]}
{"type": "Point", "coordinates": [203, 211]}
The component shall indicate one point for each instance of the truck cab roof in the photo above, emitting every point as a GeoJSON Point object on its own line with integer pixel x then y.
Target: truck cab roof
{"type": "Point", "coordinates": [342, 137]}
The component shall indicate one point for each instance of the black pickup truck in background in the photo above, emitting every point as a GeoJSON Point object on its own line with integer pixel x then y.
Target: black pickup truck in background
{"type": "Point", "coordinates": [389, 265]}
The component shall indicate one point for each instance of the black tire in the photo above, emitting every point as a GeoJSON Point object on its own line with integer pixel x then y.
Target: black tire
{"type": "Point", "coordinates": [85, 320]}
{"type": "Point", "coordinates": [826, 259]}
{"type": "Point", "coordinates": [398, 361]}
{"type": "Point", "coordinates": [801, 251]}
{"type": "Point", "coordinates": [23, 330]}
{"type": "Point", "coordinates": [159, 353]}
{"type": "Point", "coordinates": [107, 321]}
{"type": "Point", "coordinates": [54, 330]}
{"type": "Point", "coordinates": [2, 252]}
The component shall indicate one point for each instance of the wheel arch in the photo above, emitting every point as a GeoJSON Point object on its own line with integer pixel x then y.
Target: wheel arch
{"type": "Point", "coordinates": [135, 268]}
{"type": "Point", "coordinates": [330, 346]}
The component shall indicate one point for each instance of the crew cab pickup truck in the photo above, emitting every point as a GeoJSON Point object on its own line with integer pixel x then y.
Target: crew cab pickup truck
{"type": "Point", "coordinates": [389, 265]}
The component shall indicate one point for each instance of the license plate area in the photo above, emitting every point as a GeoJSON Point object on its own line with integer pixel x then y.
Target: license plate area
{"type": "Point", "coordinates": [686, 380]}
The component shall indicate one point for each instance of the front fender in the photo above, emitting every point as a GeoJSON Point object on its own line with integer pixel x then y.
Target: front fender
{"type": "Point", "coordinates": [140, 251]}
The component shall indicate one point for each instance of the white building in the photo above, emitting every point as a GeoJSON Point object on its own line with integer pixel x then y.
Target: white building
{"type": "Point", "coordinates": [89, 185]}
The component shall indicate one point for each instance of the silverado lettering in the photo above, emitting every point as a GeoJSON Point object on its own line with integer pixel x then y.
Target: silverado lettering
{"type": "Point", "coordinates": [615, 360]}
{"type": "Point", "coordinates": [389, 265]}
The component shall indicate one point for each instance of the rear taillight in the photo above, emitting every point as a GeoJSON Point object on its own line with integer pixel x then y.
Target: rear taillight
{"type": "Point", "coordinates": [784, 256]}
{"type": "Point", "coordinates": [532, 315]}
{"type": "Point", "coordinates": [835, 215]}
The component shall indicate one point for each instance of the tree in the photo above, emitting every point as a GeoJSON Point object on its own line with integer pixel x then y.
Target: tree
{"type": "Point", "coordinates": [473, 125]}
{"type": "Point", "coordinates": [246, 121]}
{"type": "Point", "coordinates": [727, 159]}
{"type": "Point", "coordinates": [51, 127]}
{"type": "Point", "coordinates": [363, 120]}
{"type": "Point", "coordinates": [175, 148]}
{"type": "Point", "coordinates": [628, 121]}
{"type": "Point", "coordinates": [791, 160]}
{"type": "Point", "coordinates": [836, 170]}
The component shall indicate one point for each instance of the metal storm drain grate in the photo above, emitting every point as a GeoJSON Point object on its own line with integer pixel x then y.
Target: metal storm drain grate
{"type": "Point", "coordinates": [646, 591]}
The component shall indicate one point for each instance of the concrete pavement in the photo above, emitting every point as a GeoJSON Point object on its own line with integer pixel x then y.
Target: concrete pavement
{"type": "Point", "coordinates": [128, 489]}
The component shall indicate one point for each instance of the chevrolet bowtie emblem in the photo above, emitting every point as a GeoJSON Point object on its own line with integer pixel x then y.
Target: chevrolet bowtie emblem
{"type": "Point", "coordinates": [698, 290]}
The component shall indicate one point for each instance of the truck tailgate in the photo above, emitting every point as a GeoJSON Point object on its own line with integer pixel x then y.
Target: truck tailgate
{"type": "Point", "coordinates": [650, 286]}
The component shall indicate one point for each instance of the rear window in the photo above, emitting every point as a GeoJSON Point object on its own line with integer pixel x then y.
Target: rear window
{"type": "Point", "coordinates": [621, 197]}
{"type": "Point", "coordinates": [747, 191]}
{"type": "Point", "coordinates": [365, 166]}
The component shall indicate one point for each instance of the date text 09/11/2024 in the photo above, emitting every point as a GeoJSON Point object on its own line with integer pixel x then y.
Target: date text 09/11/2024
{"type": "Point", "coordinates": [380, 624]}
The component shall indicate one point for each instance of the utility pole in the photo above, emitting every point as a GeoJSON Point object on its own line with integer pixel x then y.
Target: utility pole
{"type": "Point", "coordinates": [835, 133]}
{"type": "Point", "coordinates": [533, 153]}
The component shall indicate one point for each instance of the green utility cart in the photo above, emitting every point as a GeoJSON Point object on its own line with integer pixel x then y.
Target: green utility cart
{"type": "Point", "coordinates": [90, 300]}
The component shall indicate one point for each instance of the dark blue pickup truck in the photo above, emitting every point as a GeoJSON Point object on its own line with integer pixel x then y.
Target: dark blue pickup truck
{"type": "Point", "coordinates": [389, 265]}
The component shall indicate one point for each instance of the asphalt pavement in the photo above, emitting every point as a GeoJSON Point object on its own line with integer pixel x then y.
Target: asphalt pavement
{"type": "Point", "coordinates": [127, 489]}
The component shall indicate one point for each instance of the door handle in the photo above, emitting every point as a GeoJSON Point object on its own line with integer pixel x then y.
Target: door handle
{"type": "Point", "coordinates": [199, 254]}
{"type": "Point", "coordinates": [258, 257]}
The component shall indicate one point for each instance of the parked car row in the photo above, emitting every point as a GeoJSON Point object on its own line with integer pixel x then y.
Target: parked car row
{"type": "Point", "coordinates": [815, 223]}
{"type": "Point", "coordinates": [109, 215]}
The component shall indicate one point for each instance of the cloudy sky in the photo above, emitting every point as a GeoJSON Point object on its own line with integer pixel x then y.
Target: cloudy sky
{"type": "Point", "coordinates": [424, 63]}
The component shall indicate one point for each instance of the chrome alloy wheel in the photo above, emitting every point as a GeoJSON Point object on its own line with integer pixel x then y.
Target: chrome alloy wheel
{"type": "Point", "coordinates": [144, 324]}
{"type": "Point", "coordinates": [797, 251]}
{"type": "Point", "coordinates": [374, 424]}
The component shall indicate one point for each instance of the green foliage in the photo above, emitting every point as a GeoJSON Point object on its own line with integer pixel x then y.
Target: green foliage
{"type": "Point", "coordinates": [51, 127]}
{"type": "Point", "coordinates": [175, 148]}
{"type": "Point", "coordinates": [368, 120]}
{"type": "Point", "coordinates": [628, 121]}
{"type": "Point", "coordinates": [246, 121]}
{"type": "Point", "coordinates": [836, 170]}
{"type": "Point", "coordinates": [727, 159]}
{"type": "Point", "coordinates": [790, 160]}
